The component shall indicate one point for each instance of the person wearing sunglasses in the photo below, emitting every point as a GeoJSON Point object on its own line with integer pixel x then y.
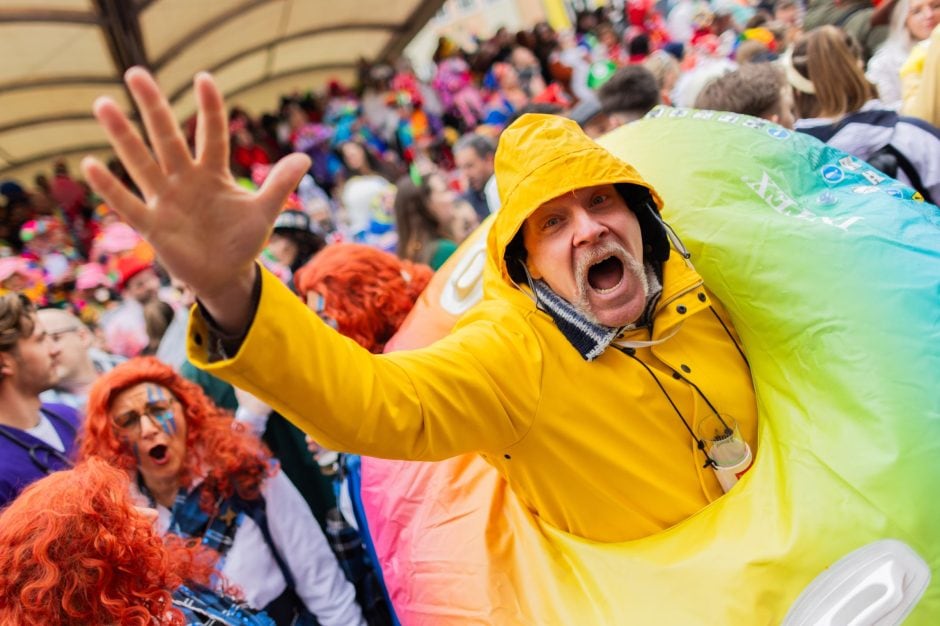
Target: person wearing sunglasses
{"type": "Point", "coordinates": [36, 439]}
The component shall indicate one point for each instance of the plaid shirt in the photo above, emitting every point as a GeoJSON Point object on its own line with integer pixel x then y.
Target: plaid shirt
{"type": "Point", "coordinates": [187, 520]}
{"type": "Point", "coordinates": [203, 607]}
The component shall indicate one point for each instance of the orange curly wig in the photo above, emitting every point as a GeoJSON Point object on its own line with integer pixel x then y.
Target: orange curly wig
{"type": "Point", "coordinates": [231, 459]}
{"type": "Point", "coordinates": [367, 292]}
{"type": "Point", "coordinates": [74, 551]}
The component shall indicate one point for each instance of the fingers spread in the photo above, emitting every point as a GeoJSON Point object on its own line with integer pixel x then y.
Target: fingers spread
{"type": "Point", "coordinates": [282, 180]}
{"type": "Point", "coordinates": [212, 138]}
{"type": "Point", "coordinates": [116, 195]}
{"type": "Point", "coordinates": [165, 136]}
{"type": "Point", "coordinates": [129, 146]}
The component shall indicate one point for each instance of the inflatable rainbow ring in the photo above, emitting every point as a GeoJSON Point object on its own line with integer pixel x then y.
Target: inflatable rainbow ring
{"type": "Point", "coordinates": [831, 272]}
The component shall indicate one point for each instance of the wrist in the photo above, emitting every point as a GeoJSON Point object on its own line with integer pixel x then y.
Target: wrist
{"type": "Point", "coordinates": [232, 306]}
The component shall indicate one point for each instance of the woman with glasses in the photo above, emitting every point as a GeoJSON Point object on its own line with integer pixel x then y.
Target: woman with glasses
{"type": "Point", "coordinates": [210, 479]}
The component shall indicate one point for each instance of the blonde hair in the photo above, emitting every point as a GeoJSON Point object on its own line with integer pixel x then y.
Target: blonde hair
{"type": "Point", "coordinates": [830, 59]}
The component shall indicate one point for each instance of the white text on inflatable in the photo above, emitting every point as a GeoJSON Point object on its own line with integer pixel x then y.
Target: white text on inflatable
{"type": "Point", "coordinates": [777, 199]}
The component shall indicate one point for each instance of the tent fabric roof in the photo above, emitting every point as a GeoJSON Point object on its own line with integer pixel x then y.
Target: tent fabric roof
{"type": "Point", "coordinates": [59, 55]}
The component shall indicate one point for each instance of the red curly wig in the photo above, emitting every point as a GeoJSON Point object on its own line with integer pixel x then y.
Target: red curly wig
{"type": "Point", "coordinates": [74, 551]}
{"type": "Point", "coordinates": [231, 459]}
{"type": "Point", "coordinates": [367, 292]}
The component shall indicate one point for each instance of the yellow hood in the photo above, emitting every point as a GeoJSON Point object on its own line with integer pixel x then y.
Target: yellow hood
{"type": "Point", "coordinates": [541, 157]}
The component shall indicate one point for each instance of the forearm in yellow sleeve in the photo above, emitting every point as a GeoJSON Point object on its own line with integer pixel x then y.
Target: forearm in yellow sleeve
{"type": "Point", "coordinates": [424, 405]}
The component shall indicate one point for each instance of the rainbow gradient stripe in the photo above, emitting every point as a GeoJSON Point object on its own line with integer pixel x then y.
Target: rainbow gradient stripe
{"type": "Point", "coordinates": [831, 272]}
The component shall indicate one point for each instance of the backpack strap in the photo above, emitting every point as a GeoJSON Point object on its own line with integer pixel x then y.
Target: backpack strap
{"type": "Point", "coordinates": [909, 170]}
{"type": "Point", "coordinates": [255, 509]}
{"type": "Point", "coordinates": [289, 604]}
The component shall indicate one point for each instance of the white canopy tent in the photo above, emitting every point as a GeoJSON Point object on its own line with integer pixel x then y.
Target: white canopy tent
{"type": "Point", "coordinates": [59, 55]}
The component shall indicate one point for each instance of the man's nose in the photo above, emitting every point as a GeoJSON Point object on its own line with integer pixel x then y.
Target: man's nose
{"type": "Point", "coordinates": [587, 229]}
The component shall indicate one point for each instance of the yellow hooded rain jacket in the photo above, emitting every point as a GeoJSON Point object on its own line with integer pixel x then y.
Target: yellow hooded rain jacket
{"type": "Point", "coordinates": [594, 448]}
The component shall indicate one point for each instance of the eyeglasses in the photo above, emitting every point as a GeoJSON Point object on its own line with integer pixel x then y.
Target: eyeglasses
{"type": "Point", "coordinates": [55, 335]}
{"type": "Point", "coordinates": [320, 309]}
{"type": "Point", "coordinates": [160, 413]}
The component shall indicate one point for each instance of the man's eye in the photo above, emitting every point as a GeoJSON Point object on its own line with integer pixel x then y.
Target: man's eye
{"type": "Point", "coordinates": [551, 223]}
{"type": "Point", "coordinates": [598, 199]}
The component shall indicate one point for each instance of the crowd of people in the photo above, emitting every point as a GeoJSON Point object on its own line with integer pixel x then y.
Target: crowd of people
{"type": "Point", "coordinates": [93, 321]}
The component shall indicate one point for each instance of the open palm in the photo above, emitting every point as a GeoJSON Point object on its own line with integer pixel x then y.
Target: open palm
{"type": "Point", "coordinates": [205, 228]}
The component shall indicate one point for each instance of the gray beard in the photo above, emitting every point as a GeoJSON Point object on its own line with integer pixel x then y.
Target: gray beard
{"type": "Point", "coordinates": [631, 268]}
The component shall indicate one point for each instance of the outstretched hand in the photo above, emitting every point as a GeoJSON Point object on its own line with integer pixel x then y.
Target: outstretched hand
{"type": "Point", "coordinates": [205, 228]}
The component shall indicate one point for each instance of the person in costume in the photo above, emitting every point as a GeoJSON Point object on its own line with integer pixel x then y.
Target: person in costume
{"type": "Point", "coordinates": [125, 327]}
{"type": "Point", "coordinates": [46, 242]}
{"type": "Point", "coordinates": [295, 239]}
{"type": "Point", "coordinates": [582, 376]}
{"type": "Point", "coordinates": [365, 294]}
{"type": "Point", "coordinates": [21, 275]}
{"type": "Point", "coordinates": [211, 479]}
{"type": "Point", "coordinates": [74, 550]}
{"type": "Point", "coordinates": [93, 295]}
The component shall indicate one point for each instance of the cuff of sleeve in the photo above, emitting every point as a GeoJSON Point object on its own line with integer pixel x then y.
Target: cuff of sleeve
{"type": "Point", "coordinates": [208, 343]}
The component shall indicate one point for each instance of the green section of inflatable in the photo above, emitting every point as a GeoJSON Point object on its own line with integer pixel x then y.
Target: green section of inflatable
{"type": "Point", "coordinates": [832, 274]}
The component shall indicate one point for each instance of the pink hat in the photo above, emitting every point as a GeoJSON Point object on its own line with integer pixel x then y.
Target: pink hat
{"type": "Point", "coordinates": [12, 265]}
{"type": "Point", "coordinates": [117, 237]}
{"type": "Point", "coordinates": [90, 276]}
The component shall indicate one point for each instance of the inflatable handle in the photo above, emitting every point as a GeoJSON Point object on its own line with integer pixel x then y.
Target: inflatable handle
{"type": "Point", "coordinates": [872, 599]}
{"type": "Point", "coordinates": [877, 584]}
{"type": "Point", "coordinates": [464, 286]}
{"type": "Point", "coordinates": [467, 279]}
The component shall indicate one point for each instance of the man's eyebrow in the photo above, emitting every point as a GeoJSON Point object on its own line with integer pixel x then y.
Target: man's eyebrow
{"type": "Point", "coordinates": [549, 205]}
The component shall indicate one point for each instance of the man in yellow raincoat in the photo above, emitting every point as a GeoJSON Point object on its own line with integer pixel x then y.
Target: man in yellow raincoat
{"type": "Point", "coordinates": [582, 376]}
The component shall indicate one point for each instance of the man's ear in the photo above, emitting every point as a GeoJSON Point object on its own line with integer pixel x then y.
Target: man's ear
{"type": "Point", "coordinates": [533, 271]}
{"type": "Point", "coordinates": [84, 335]}
{"type": "Point", "coordinates": [6, 364]}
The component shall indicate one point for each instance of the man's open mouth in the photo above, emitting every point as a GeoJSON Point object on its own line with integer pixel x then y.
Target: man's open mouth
{"type": "Point", "coordinates": [158, 452]}
{"type": "Point", "coordinates": [605, 275]}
